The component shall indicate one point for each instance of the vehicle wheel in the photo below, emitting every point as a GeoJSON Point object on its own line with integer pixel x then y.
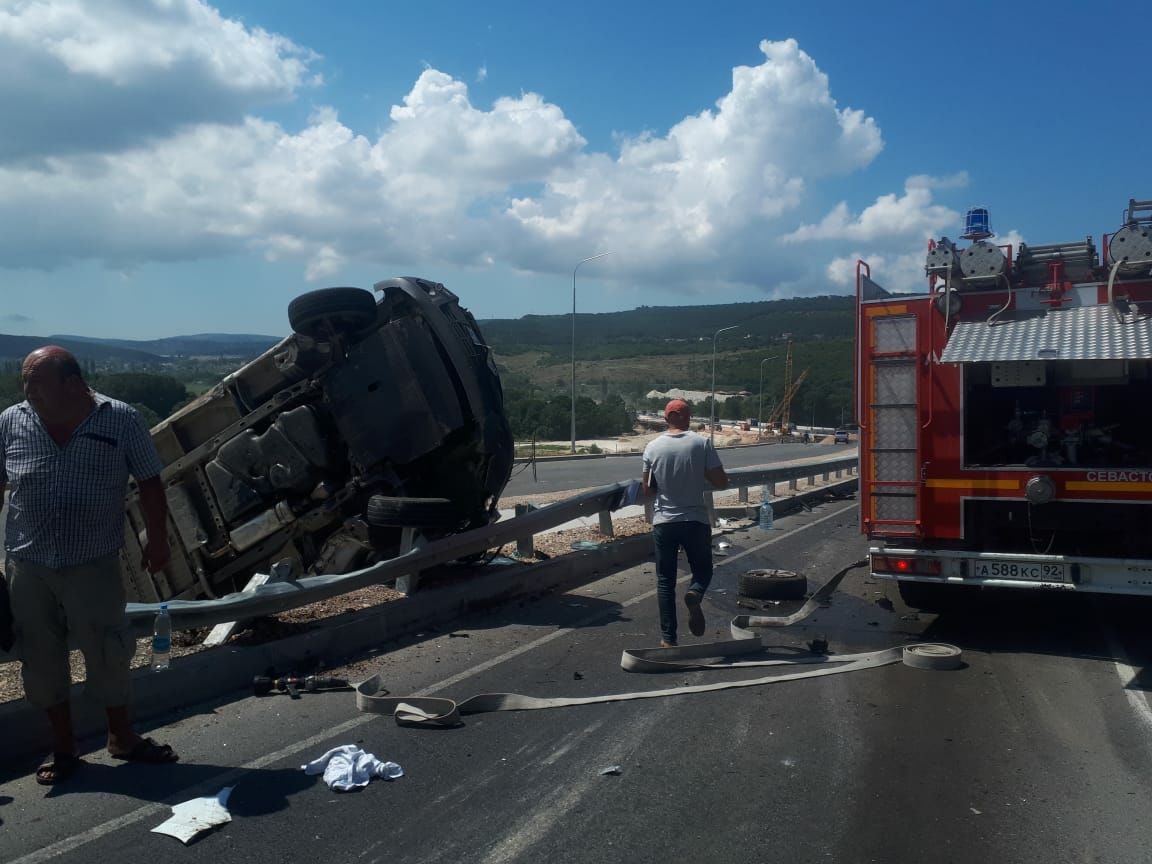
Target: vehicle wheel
{"type": "Point", "coordinates": [930, 597]}
{"type": "Point", "coordinates": [386, 512]}
{"type": "Point", "coordinates": [772, 585]}
{"type": "Point", "coordinates": [345, 310]}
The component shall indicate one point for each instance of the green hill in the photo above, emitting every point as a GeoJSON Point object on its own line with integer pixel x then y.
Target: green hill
{"type": "Point", "coordinates": [624, 354]}
{"type": "Point", "coordinates": [673, 329]}
{"type": "Point", "coordinates": [657, 348]}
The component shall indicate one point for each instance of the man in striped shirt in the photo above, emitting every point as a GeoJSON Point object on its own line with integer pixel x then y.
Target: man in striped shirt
{"type": "Point", "coordinates": [65, 457]}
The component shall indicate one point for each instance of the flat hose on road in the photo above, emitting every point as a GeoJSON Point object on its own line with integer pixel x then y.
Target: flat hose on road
{"type": "Point", "coordinates": [372, 697]}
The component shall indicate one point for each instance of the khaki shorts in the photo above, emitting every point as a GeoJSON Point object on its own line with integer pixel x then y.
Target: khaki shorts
{"type": "Point", "coordinates": [82, 605]}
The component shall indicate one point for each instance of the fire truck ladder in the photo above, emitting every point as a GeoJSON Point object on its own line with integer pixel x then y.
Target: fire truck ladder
{"type": "Point", "coordinates": [892, 461]}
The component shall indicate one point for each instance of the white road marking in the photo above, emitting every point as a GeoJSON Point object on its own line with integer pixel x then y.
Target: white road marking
{"type": "Point", "coordinates": [229, 778]}
{"type": "Point", "coordinates": [1136, 698]}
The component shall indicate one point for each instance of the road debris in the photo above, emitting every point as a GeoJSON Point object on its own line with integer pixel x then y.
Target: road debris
{"type": "Point", "coordinates": [196, 816]}
{"type": "Point", "coordinates": [349, 767]}
{"type": "Point", "coordinates": [611, 770]}
{"type": "Point", "coordinates": [293, 685]}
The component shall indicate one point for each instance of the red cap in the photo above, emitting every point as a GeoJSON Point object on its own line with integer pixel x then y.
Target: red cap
{"type": "Point", "coordinates": [678, 406]}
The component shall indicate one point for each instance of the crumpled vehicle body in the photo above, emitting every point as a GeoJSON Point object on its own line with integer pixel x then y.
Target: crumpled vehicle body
{"type": "Point", "coordinates": [373, 417]}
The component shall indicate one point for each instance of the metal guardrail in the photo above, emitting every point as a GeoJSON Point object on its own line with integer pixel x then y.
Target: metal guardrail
{"type": "Point", "coordinates": [744, 478]}
{"type": "Point", "coordinates": [281, 596]}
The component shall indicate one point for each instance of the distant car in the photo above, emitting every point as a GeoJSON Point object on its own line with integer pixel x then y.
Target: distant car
{"type": "Point", "coordinates": [841, 436]}
{"type": "Point", "coordinates": [372, 417]}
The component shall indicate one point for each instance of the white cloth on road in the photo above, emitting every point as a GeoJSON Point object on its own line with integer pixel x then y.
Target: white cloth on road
{"type": "Point", "coordinates": [192, 817]}
{"type": "Point", "coordinates": [349, 767]}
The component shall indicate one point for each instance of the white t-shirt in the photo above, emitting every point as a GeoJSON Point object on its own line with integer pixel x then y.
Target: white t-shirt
{"type": "Point", "coordinates": [677, 462]}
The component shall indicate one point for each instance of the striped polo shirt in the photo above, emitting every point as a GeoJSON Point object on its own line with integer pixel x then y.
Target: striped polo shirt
{"type": "Point", "coordinates": [66, 504]}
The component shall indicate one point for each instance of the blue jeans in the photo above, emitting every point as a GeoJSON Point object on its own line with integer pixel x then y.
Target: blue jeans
{"type": "Point", "coordinates": [696, 538]}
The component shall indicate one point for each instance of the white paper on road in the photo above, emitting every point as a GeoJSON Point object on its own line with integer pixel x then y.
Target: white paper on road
{"type": "Point", "coordinates": [196, 816]}
{"type": "Point", "coordinates": [349, 767]}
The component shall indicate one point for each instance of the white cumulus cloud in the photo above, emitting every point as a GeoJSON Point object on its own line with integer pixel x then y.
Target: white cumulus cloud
{"type": "Point", "coordinates": [84, 76]}
{"type": "Point", "coordinates": [904, 217]}
{"type": "Point", "coordinates": [190, 170]}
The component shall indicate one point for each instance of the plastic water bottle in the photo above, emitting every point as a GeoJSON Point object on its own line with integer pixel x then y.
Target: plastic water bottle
{"type": "Point", "coordinates": [766, 515]}
{"type": "Point", "coordinates": [161, 639]}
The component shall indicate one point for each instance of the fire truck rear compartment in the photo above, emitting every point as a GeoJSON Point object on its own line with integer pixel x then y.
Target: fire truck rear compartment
{"type": "Point", "coordinates": [1058, 414]}
{"type": "Point", "coordinates": [1052, 415]}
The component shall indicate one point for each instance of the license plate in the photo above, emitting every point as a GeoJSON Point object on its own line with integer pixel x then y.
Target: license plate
{"type": "Point", "coordinates": [1039, 572]}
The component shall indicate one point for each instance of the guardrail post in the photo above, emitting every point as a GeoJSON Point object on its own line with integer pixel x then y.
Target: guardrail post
{"type": "Point", "coordinates": [282, 571]}
{"type": "Point", "coordinates": [792, 484]}
{"type": "Point", "coordinates": [525, 546]}
{"type": "Point", "coordinates": [409, 582]}
{"type": "Point", "coordinates": [606, 528]}
{"type": "Point", "coordinates": [827, 475]}
{"type": "Point", "coordinates": [743, 495]}
{"type": "Point", "coordinates": [839, 473]}
{"type": "Point", "coordinates": [649, 510]}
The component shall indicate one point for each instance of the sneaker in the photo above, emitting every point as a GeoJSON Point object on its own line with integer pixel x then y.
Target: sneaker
{"type": "Point", "coordinates": [666, 644]}
{"type": "Point", "coordinates": [696, 625]}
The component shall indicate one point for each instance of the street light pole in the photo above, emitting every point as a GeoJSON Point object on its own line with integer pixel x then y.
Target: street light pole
{"type": "Point", "coordinates": [760, 414]}
{"type": "Point", "coordinates": [574, 269]}
{"type": "Point", "coordinates": [712, 418]}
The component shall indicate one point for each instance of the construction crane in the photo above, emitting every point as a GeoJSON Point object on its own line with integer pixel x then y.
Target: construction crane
{"type": "Point", "coordinates": [790, 388]}
{"type": "Point", "coordinates": [781, 410]}
{"type": "Point", "coordinates": [787, 400]}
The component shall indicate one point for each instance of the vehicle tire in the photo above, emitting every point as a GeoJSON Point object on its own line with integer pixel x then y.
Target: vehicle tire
{"type": "Point", "coordinates": [386, 512]}
{"type": "Point", "coordinates": [772, 585]}
{"type": "Point", "coordinates": [345, 310]}
{"type": "Point", "coordinates": [930, 597]}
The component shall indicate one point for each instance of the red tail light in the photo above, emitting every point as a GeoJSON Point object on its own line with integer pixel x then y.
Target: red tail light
{"type": "Point", "coordinates": [906, 565]}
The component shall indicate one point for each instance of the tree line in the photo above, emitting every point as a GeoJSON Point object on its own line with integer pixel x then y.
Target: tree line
{"type": "Point", "coordinates": [549, 418]}
{"type": "Point", "coordinates": [154, 396]}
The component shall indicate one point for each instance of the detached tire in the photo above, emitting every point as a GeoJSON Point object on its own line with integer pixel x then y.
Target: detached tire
{"type": "Point", "coordinates": [386, 512]}
{"type": "Point", "coordinates": [345, 310]}
{"type": "Point", "coordinates": [772, 585]}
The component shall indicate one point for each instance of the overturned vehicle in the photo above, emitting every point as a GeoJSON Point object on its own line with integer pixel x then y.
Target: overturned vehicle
{"type": "Point", "coordinates": [373, 422]}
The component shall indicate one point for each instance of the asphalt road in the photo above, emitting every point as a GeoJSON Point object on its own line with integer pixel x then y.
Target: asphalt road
{"type": "Point", "coordinates": [1037, 751]}
{"type": "Point", "coordinates": [559, 475]}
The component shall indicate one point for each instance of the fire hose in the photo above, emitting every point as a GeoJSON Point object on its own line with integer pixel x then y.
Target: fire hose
{"type": "Point", "coordinates": [372, 696]}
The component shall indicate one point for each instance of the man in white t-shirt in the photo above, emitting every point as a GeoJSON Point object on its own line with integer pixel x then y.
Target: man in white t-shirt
{"type": "Point", "coordinates": [678, 468]}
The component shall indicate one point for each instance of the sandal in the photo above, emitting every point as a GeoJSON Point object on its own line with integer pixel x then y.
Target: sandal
{"type": "Point", "coordinates": [56, 768]}
{"type": "Point", "coordinates": [148, 752]}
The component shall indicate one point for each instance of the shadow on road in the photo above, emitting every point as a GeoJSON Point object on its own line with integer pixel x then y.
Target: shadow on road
{"type": "Point", "coordinates": [1093, 627]}
{"type": "Point", "coordinates": [258, 791]}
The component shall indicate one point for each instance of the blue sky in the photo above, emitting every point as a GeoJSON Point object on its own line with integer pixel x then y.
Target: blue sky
{"type": "Point", "coordinates": [183, 166]}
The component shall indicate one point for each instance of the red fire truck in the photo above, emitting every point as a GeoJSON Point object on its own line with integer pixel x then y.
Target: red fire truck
{"type": "Point", "coordinates": [1006, 416]}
